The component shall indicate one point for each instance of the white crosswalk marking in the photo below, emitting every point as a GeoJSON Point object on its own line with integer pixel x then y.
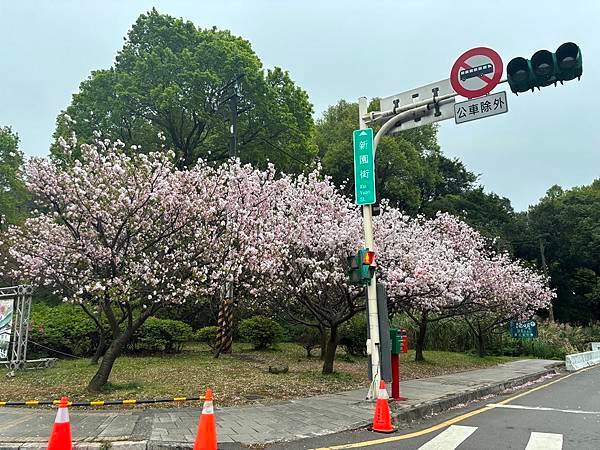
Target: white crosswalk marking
{"type": "Point", "coordinates": [544, 441]}
{"type": "Point", "coordinates": [449, 439]}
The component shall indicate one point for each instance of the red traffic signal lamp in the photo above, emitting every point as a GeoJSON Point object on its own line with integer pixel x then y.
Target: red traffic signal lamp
{"type": "Point", "coordinates": [361, 267]}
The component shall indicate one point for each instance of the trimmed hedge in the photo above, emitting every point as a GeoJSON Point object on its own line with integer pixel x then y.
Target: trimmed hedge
{"type": "Point", "coordinates": [207, 335]}
{"type": "Point", "coordinates": [64, 327]}
{"type": "Point", "coordinates": [161, 335]}
{"type": "Point", "coordinates": [260, 331]}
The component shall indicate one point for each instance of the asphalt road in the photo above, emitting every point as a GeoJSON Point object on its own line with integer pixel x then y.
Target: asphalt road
{"type": "Point", "coordinates": [561, 414]}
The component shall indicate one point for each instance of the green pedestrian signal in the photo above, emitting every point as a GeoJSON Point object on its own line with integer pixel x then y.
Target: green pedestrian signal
{"type": "Point", "coordinates": [361, 267]}
{"type": "Point", "coordinates": [545, 68]}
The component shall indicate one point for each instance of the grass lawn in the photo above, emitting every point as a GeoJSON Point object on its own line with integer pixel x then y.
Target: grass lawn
{"type": "Point", "coordinates": [239, 378]}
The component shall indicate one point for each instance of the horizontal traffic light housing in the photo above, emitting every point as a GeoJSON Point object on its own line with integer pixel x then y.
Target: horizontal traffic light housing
{"type": "Point", "coordinates": [545, 68]}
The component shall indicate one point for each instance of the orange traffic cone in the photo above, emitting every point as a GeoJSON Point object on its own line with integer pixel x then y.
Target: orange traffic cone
{"type": "Point", "coordinates": [206, 437]}
{"type": "Point", "coordinates": [382, 420]}
{"type": "Point", "coordinates": [60, 438]}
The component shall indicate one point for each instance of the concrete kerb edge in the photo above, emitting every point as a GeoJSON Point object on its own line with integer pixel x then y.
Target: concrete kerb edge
{"type": "Point", "coordinates": [411, 413]}
{"type": "Point", "coordinates": [122, 445]}
{"type": "Point", "coordinates": [420, 411]}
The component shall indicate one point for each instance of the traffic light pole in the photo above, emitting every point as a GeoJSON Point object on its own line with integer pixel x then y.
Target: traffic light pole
{"type": "Point", "coordinates": [396, 116]}
{"type": "Point", "coordinates": [393, 119]}
{"type": "Point", "coordinates": [373, 343]}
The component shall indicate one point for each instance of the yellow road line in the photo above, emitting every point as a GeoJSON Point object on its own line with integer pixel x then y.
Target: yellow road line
{"type": "Point", "coordinates": [439, 426]}
{"type": "Point", "coordinates": [452, 421]}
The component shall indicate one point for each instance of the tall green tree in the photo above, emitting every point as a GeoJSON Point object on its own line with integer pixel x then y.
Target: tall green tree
{"type": "Point", "coordinates": [489, 213]}
{"type": "Point", "coordinates": [565, 224]}
{"type": "Point", "coordinates": [13, 193]}
{"type": "Point", "coordinates": [171, 86]}
{"type": "Point", "coordinates": [410, 168]}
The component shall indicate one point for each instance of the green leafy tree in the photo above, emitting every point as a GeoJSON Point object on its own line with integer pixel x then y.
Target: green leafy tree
{"type": "Point", "coordinates": [489, 213]}
{"type": "Point", "coordinates": [567, 222]}
{"type": "Point", "coordinates": [13, 194]}
{"type": "Point", "coordinates": [410, 168]}
{"type": "Point", "coordinates": [171, 86]}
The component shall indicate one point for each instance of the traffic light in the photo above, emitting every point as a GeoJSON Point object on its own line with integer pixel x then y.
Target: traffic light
{"type": "Point", "coordinates": [361, 267]}
{"type": "Point", "coordinates": [545, 68]}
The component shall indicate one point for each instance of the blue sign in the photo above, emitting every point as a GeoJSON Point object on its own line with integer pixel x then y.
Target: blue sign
{"type": "Point", "coordinates": [524, 330]}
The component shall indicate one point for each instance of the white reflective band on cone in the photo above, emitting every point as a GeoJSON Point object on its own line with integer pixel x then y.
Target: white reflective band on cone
{"type": "Point", "coordinates": [62, 416]}
{"type": "Point", "coordinates": [383, 394]}
{"type": "Point", "coordinates": [208, 407]}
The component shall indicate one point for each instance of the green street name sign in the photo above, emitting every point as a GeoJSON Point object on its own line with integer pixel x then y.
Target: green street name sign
{"type": "Point", "coordinates": [364, 167]}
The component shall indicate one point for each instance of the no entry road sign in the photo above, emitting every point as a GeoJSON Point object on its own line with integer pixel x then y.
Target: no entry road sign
{"type": "Point", "coordinates": [476, 72]}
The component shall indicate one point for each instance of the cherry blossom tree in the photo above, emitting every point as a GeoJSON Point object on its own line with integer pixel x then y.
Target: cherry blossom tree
{"type": "Point", "coordinates": [426, 266]}
{"type": "Point", "coordinates": [311, 231]}
{"type": "Point", "coordinates": [504, 290]}
{"type": "Point", "coordinates": [120, 235]}
{"type": "Point", "coordinates": [441, 268]}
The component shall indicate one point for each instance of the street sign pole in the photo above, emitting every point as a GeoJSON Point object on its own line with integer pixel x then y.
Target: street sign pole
{"type": "Point", "coordinates": [373, 343]}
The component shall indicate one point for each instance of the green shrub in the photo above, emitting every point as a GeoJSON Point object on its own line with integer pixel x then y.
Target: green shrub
{"type": "Point", "coordinates": [448, 335]}
{"type": "Point", "coordinates": [353, 335]}
{"type": "Point", "coordinates": [308, 338]}
{"type": "Point", "coordinates": [207, 335]}
{"type": "Point", "coordinates": [161, 335]}
{"type": "Point", "coordinates": [260, 331]}
{"type": "Point", "coordinates": [65, 328]}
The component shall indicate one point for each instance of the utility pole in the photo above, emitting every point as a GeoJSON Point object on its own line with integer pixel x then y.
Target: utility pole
{"type": "Point", "coordinates": [225, 316]}
{"type": "Point", "coordinates": [233, 110]}
{"type": "Point", "coordinates": [545, 270]}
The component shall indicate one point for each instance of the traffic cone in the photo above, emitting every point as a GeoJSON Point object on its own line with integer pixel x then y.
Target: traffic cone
{"type": "Point", "coordinates": [206, 437]}
{"type": "Point", "coordinates": [382, 420]}
{"type": "Point", "coordinates": [60, 438]}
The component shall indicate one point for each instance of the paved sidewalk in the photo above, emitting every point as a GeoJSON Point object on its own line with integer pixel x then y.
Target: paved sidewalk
{"type": "Point", "coordinates": [288, 420]}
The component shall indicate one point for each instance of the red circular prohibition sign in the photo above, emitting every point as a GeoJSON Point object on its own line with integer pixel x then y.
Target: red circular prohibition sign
{"type": "Point", "coordinates": [461, 63]}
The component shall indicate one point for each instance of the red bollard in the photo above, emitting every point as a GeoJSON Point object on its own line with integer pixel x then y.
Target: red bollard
{"type": "Point", "coordinates": [396, 379]}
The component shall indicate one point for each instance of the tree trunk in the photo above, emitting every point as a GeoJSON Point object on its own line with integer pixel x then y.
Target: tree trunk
{"type": "Point", "coordinates": [323, 332]}
{"type": "Point", "coordinates": [112, 353]}
{"type": "Point", "coordinates": [480, 342]}
{"type": "Point", "coordinates": [420, 344]}
{"type": "Point", "coordinates": [330, 351]}
{"type": "Point", "coordinates": [100, 349]}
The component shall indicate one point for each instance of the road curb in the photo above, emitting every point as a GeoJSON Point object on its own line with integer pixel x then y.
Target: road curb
{"type": "Point", "coordinates": [419, 411]}
{"type": "Point", "coordinates": [400, 413]}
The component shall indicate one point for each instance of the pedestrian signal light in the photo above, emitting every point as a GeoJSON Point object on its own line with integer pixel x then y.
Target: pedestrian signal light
{"type": "Point", "coordinates": [361, 268]}
{"type": "Point", "coordinates": [369, 257]}
{"type": "Point", "coordinates": [545, 68]}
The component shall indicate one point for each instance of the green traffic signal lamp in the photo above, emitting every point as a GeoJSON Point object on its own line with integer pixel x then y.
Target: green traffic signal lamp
{"type": "Point", "coordinates": [543, 66]}
{"type": "Point", "coordinates": [569, 61]}
{"type": "Point", "coordinates": [519, 75]}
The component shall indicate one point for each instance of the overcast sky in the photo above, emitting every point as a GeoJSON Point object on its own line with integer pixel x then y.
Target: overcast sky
{"type": "Point", "coordinates": [338, 49]}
